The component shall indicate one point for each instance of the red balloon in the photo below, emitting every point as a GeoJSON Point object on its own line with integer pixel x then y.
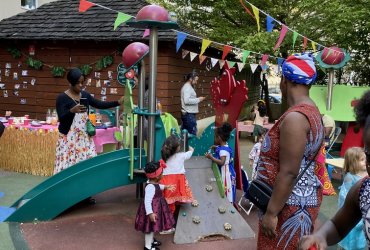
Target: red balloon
{"type": "Point", "coordinates": [332, 55]}
{"type": "Point", "coordinates": [133, 53]}
{"type": "Point", "coordinates": [152, 13]}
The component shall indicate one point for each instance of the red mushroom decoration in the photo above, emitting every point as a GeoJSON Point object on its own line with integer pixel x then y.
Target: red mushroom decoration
{"type": "Point", "coordinates": [133, 53]}
{"type": "Point", "coordinates": [152, 13]}
{"type": "Point", "coordinates": [332, 57]}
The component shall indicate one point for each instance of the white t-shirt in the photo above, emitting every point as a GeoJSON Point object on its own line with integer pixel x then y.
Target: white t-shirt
{"type": "Point", "coordinates": [226, 154]}
{"type": "Point", "coordinates": [175, 164]}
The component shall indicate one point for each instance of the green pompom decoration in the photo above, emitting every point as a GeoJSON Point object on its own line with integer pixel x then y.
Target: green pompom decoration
{"type": "Point", "coordinates": [57, 71]}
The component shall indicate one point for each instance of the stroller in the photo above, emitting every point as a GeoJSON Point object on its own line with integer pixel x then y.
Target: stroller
{"type": "Point", "coordinates": [245, 182]}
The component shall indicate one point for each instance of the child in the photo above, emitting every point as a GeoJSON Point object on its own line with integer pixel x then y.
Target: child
{"type": "Point", "coordinates": [259, 111]}
{"type": "Point", "coordinates": [224, 159]}
{"type": "Point", "coordinates": [174, 174]}
{"type": "Point", "coordinates": [355, 169]}
{"type": "Point", "coordinates": [255, 154]}
{"type": "Point", "coordinates": [153, 214]}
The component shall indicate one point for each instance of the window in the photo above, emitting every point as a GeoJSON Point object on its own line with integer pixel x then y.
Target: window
{"type": "Point", "coordinates": [29, 4]}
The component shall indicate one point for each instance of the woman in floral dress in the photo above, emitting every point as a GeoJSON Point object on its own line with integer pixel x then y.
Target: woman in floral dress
{"type": "Point", "coordinates": [74, 144]}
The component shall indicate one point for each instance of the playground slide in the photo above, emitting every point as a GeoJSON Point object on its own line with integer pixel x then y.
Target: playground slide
{"type": "Point", "coordinates": [200, 176]}
{"type": "Point", "coordinates": [63, 190]}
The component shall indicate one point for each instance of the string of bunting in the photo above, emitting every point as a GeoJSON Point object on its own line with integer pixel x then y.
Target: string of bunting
{"type": "Point", "coordinates": [270, 23]}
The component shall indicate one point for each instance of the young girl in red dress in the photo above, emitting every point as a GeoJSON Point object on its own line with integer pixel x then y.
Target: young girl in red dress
{"type": "Point", "coordinates": [153, 214]}
{"type": "Point", "coordinates": [174, 174]}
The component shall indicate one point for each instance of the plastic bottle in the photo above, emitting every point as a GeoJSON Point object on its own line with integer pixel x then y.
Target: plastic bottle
{"type": "Point", "coordinates": [159, 106]}
{"type": "Point", "coordinates": [48, 117]}
{"type": "Point", "coordinates": [92, 117]}
{"type": "Point", "coordinates": [98, 118]}
{"type": "Point", "coordinates": [54, 118]}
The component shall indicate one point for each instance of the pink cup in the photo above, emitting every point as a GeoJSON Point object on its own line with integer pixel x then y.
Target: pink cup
{"type": "Point", "coordinates": [26, 116]}
{"type": "Point", "coordinates": [26, 122]}
{"type": "Point", "coordinates": [10, 120]}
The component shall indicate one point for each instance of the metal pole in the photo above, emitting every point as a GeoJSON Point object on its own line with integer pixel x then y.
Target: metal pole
{"type": "Point", "coordinates": [140, 131]}
{"type": "Point", "coordinates": [153, 45]}
{"type": "Point", "coordinates": [330, 90]}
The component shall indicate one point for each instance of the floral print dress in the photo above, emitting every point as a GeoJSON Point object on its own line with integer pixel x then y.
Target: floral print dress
{"type": "Point", "coordinates": [76, 146]}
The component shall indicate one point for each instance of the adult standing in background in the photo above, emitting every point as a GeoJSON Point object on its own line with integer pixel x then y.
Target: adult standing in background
{"type": "Point", "coordinates": [74, 144]}
{"type": "Point", "coordinates": [189, 103]}
{"type": "Point", "coordinates": [287, 148]}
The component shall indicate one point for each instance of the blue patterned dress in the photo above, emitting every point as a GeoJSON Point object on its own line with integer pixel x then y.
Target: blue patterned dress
{"type": "Point", "coordinates": [302, 207]}
{"type": "Point", "coordinates": [364, 201]}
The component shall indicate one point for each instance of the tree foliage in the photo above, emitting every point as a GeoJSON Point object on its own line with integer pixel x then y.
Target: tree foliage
{"type": "Point", "coordinates": [328, 22]}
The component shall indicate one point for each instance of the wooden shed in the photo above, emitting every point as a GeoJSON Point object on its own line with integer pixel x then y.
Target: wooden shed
{"type": "Point", "coordinates": [57, 35]}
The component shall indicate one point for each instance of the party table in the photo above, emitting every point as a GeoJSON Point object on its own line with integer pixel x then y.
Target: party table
{"type": "Point", "coordinates": [31, 150]}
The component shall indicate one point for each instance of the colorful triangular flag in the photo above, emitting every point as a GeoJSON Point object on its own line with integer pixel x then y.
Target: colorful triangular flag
{"type": "Point", "coordinates": [221, 63]}
{"type": "Point", "coordinates": [184, 53]}
{"type": "Point", "coordinates": [231, 64]}
{"type": "Point", "coordinates": [304, 43]}
{"type": "Point", "coordinates": [146, 33]}
{"type": "Point", "coordinates": [121, 18]}
{"type": "Point", "coordinates": [180, 39]}
{"type": "Point", "coordinates": [214, 61]}
{"type": "Point", "coordinates": [295, 35]}
{"type": "Point", "coordinates": [201, 59]}
{"type": "Point", "coordinates": [245, 55]}
{"type": "Point", "coordinates": [280, 63]}
{"type": "Point", "coordinates": [192, 56]}
{"type": "Point", "coordinates": [205, 44]}
{"type": "Point", "coordinates": [283, 32]}
{"type": "Point", "coordinates": [226, 51]}
{"type": "Point", "coordinates": [313, 44]}
{"type": "Point", "coordinates": [85, 5]}
{"type": "Point", "coordinates": [257, 16]}
{"type": "Point", "coordinates": [253, 67]}
{"type": "Point", "coordinates": [240, 66]}
{"type": "Point", "coordinates": [269, 23]}
{"type": "Point", "coordinates": [264, 59]}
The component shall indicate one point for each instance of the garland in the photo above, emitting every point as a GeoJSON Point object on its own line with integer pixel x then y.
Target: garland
{"type": "Point", "coordinates": [59, 71]}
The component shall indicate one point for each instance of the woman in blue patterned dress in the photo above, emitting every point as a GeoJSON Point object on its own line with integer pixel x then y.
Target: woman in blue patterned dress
{"type": "Point", "coordinates": [357, 203]}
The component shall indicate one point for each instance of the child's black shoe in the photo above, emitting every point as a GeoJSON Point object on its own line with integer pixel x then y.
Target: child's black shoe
{"type": "Point", "coordinates": [156, 243]}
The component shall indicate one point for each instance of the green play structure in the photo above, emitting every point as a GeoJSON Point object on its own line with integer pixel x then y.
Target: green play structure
{"type": "Point", "coordinates": [343, 96]}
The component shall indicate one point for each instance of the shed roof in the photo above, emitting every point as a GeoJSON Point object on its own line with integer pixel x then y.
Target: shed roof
{"type": "Point", "coordinates": [61, 20]}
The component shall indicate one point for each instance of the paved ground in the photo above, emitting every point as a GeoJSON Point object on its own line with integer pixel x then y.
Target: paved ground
{"type": "Point", "coordinates": [109, 223]}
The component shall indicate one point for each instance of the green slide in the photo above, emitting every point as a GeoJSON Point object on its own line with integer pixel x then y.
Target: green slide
{"type": "Point", "coordinates": [70, 186]}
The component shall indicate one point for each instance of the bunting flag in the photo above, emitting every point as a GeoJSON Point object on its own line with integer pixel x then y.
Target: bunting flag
{"type": "Point", "coordinates": [121, 18]}
{"type": "Point", "coordinates": [313, 46]}
{"type": "Point", "coordinates": [257, 16]}
{"type": "Point", "coordinates": [304, 43]}
{"type": "Point", "coordinates": [283, 32]}
{"type": "Point", "coordinates": [295, 35]}
{"type": "Point", "coordinates": [227, 49]}
{"type": "Point", "coordinates": [147, 33]}
{"type": "Point", "coordinates": [221, 63]}
{"type": "Point", "coordinates": [245, 55]}
{"type": "Point", "coordinates": [280, 63]}
{"type": "Point", "coordinates": [253, 67]}
{"type": "Point", "coordinates": [192, 56]}
{"type": "Point", "coordinates": [231, 64]}
{"type": "Point", "coordinates": [201, 59]}
{"type": "Point", "coordinates": [214, 61]}
{"type": "Point", "coordinates": [205, 44]}
{"type": "Point", "coordinates": [246, 9]}
{"type": "Point", "coordinates": [85, 5]}
{"type": "Point", "coordinates": [264, 59]}
{"type": "Point", "coordinates": [181, 36]}
{"type": "Point", "coordinates": [269, 23]}
{"type": "Point", "coordinates": [185, 53]}
{"type": "Point", "coordinates": [240, 66]}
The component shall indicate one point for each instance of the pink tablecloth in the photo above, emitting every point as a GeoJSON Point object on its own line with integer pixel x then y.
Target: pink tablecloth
{"type": "Point", "coordinates": [249, 128]}
{"type": "Point", "coordinates": [103, 136]}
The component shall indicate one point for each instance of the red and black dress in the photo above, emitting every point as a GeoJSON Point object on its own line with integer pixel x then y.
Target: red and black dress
{"type": "Point", "coordinates": [301, 209]}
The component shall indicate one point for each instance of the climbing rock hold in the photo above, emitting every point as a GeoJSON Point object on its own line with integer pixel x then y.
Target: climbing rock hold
{"type": "Point", "coordinates": [222, 209]}
{"type": "Point", "coordinates": [184, 214]}
{"type": "Point", "coordinates": [196, 219]}
{"type": "Point", "coordinates": [227, 226]}
{"type": "Point", "coordinates": [195, 203]}
{"type": "Point", "coordinates": [209, 188]}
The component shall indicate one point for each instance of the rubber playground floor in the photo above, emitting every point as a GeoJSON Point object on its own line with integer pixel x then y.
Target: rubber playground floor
{"type": "Point", "coordinates": [109, 224]}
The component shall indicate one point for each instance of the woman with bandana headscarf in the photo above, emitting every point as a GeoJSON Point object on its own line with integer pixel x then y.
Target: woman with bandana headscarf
{"type": "Point", "coordinates": [288, 146]}
{"type": "Point", "coordinates": [74, 144]}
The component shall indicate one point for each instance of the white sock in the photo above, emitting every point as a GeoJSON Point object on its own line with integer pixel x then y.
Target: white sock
{"type": "Point", "coordinates": [149, 240]}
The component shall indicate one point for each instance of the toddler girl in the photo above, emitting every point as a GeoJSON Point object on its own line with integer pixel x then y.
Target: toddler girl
{"type": "Point", "coordinates": [354, 169]}
{"type": "Point", "coordinates": [254, 155]}
{"type": "Point", "coordinates": [153, 214]}
{"type": "Point", "coordinates": [174, 174]}
{"type": "Point", "coordinates": [224, 159]}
